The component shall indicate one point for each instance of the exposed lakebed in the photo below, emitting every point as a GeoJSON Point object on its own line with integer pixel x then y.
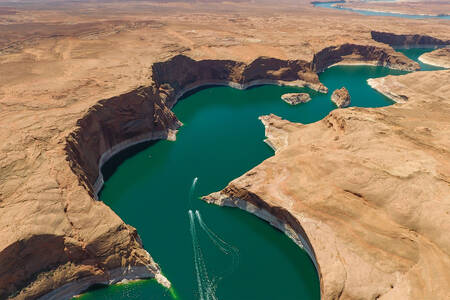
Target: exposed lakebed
{"type": "Point", "coordinates": [231, 254]}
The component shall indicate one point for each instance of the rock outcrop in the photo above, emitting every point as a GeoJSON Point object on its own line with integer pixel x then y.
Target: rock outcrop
{"type": "Point", "coordinates": [296, 98]}
{"type": "Point", "coordinates": [341, 97]}
{"type": "Point", "coordinates": [55, 238]}
{"type": "Point", "coordinates": [362, 54]}
{"type": "Point", "coordinates": [439, 57]}
{"type": "Point", "coordinates": [64, 241]}
{"type": "Point", "coordinates": [366, 191]}
{"type": "Point", "coordinates": [407, 39]}
{"type": "Point", "coordinates": [86, 242]}
{"type": "Point", "coordinates": [181, 74]}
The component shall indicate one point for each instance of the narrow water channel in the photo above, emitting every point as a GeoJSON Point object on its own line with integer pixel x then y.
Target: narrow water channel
{"type": "Point", "coordinates": [206, 251]}
{"type": "Point", "coordinates": [338, 5]}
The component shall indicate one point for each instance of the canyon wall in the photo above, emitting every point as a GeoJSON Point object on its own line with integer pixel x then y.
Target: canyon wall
{"type": "Point", "coordinates": [114, 124]}
{"type": "Point", "coordinates": [181, 74]}
{"type": "Point", "coordinates": [368, 187]}
{"type": "Point", "coordinates": [407, 39]}
{"type": "Point", "coordinates": [354, 54]}
{"type": "Point", "coordinates": [88, 242]}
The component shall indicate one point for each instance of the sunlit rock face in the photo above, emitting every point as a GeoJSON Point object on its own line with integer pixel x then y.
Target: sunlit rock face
{"type": "Point", "coordinates": [341, 97]}
{"type": "Point", "coordinates": [367, 188]}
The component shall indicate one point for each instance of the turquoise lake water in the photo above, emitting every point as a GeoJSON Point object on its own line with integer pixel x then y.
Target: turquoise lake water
{"type": "Point", "coordinates": [153, 187]}
{"type": "Point", "coordinates": [331, 5]}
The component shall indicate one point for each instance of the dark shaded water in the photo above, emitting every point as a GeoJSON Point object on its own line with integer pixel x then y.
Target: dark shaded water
{"type": "Point", "coordinates": [155, 188]}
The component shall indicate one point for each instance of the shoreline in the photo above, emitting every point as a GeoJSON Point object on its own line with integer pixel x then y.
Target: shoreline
{"type": "Point", "coordinates": [340, 6]}
{"type": "Point", "coordinates": [431, 62]}
{"type": "Point", "coordinates": [170, 134]}
{"type": "Point", "coordinates": [78, 287]}
{"type": "Point", "coordinates": [263, 214]}
{"type": "Point", "coordinates": [379, 87]}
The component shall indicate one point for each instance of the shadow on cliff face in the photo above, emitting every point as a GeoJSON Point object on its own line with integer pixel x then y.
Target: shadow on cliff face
{"type": "Point", "coordinates": [393, 39]}
{"type": "Point", "coordinates": [24, 269]}
{"type": "Point", "coordinates": [114, 162]}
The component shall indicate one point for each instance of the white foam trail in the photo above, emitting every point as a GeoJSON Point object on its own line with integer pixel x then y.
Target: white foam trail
{"type": "Point", "coordinates": [194, 246]}
{"type": "Point", "coordinates": [220, 243]}
{"type": "Point", "coordinates": [206, 287]}
{"type": "Point", "coordinates": [192, 190]}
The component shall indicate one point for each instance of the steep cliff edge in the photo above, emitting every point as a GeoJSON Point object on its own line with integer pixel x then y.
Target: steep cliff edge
{"type": "Point", "coordinates": [367, 189]}
{"type": "Point", "coordinates": [362, 54]}
{"type": "Point", "coordinates": [407, 39]}
{"type": "Point", "coordinates": [181, 74]}
{"type": "Point", "coordinates": [58, 179]}
{"type": "Point", "coordinates": [85, 242]}
{"type": "Point", "coordinates": [63, 241]}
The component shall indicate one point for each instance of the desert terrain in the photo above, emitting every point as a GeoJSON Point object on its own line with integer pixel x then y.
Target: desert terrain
{"type": "Point", "coordinates": [75, 74]}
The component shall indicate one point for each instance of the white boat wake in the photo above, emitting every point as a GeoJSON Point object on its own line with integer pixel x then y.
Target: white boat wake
{"type": "Point", "coordinates": [192, 190]}
{"type": "Point", "coordinates": [207, 287]}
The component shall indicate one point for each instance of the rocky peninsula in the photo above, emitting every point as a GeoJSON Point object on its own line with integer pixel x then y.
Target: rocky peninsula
{"type": "Point", "coordinates": [350, 188]}
{"type": "Point", "coordinates": [439, 57]}
{"type": "Point", "coordinates": [80, 83]}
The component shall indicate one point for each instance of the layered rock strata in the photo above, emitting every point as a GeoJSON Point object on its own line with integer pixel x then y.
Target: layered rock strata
{"type": "Point", "coordinates": [362, 54]}
{"type": "Point", "coordinates": [85, 242]}
{"type": "Point", "coordinates": [182, 74]}
{"type": "Point", "coordinates": [366, 189]}
{"type": "Point", "coordinates": [439, 57]}
{"type": "Point", "coordinates": [407, 39]}
{"type": "Point", "coordinates": [296, 98]}
{"type": "Point", "coordinates": [341, 97]}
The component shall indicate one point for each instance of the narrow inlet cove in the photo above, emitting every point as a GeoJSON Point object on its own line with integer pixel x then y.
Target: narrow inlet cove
{"type": "Point", "coordinates": [206, 251]}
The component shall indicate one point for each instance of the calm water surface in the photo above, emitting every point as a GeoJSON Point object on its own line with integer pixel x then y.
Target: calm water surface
{"type": "Point", "coordinates": [234, 255]}
{"type": "Point", "coordinates": [332, 4]}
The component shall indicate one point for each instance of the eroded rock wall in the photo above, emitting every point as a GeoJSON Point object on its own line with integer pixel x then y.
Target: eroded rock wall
{"type": "Point", "coordinates": [354, 54]}
{"type": "Point", "coordinates": [369, 187]}
{"type": "Point", "coordinates": [407, 39]}
{"type": "Point", "coordinates": [114, 124]}
{"type": "Point", "coordinates": [181, 73]}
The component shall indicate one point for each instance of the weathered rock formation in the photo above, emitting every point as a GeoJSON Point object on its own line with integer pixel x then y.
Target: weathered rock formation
{"type": "Point", "coordinates": [296, 98]}
{"type": "Point", "coordinates": [341, 97]}
{"type": "Point", "coordinates": [407, 39]}
{"type": "Point", "coordinates": [439, 57]}
{"type": "Point", "coordinates": [361, 54]}
{"type": "Point", "coordinates": [366, 191]}
{"type": "Point", "coordinates": [181, 74]}
{"type": "Point", "coordinates": [56, 240]}
{"type": "Point", "coordinates": [86, 242]}
{"type": "Point", "coordinates": [65, 241]}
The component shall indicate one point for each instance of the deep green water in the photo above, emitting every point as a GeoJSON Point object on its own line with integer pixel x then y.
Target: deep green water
{"type": "Point", "coordinates": [414, 53]}
{"type": "Point", "coordinates": [151, 188]}
{"type": "Point", "coordinates": [331, 5]}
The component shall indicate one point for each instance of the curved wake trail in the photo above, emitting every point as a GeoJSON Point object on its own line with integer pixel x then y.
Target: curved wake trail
{"type": "Point", "coordinates": [206, 287]}
{"type": "Point", "coordinates": [220, 243]}
{"type": "Point", "coordinates": [195, 247]}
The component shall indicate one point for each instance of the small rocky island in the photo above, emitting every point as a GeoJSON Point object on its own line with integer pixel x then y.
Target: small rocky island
{"type": "Point", "coordinates": [296, 98]}
{"type": "Point", "coordinates": [341, 97]}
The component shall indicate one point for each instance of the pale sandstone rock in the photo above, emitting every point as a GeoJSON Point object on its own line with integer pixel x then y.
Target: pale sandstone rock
{"type": "Point", "coordinates": [341, 97]}
{"type": "Point", "coordinates": [439, 57]}
{"type": "Point", "coordinates": [296, 98]}
{"type": "Point", "coordinates": [55, 66]}
{"type": "Point", "coordinates": [368, 189]}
